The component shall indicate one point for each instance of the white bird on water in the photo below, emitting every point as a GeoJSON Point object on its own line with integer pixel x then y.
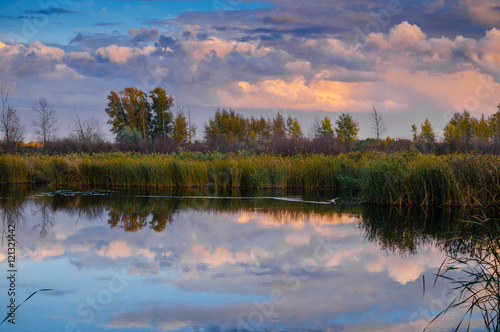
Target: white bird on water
{"type": "Point", "coordinates": [332, 201]}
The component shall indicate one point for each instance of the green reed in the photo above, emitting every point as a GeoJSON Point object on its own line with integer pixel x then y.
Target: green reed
{"type": "Point", "coordinates": [398, 179]}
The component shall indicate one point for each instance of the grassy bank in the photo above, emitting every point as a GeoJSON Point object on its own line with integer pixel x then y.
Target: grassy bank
{"type": "Point", "coordinates": [399, 178]}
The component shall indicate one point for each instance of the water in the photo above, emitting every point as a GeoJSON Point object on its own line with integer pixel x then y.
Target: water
{"type": "Point", "coordinates": [149, 261]}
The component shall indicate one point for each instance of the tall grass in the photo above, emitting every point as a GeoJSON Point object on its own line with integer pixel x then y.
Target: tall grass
{"type": "Point", "coordinates": [478, 289]}
{"type": "Point", "coordinates": [399, 179]}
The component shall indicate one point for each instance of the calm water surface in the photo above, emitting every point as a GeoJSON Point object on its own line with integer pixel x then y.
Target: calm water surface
{"type": "Point", "coordinates": [163, 262]}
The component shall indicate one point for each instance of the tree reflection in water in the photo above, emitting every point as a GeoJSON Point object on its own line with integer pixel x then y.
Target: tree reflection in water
{"type": "Point", "coordinates": [473, 246]}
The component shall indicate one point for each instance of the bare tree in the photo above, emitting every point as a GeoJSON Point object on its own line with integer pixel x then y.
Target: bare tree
{"type": "Point", "coordinates": [191, 127]}
{"type": "Point", "coordinates": [45, 123]}
{"type": "Point", "coordinates": [378, 125]}
{"type": "Point", "coordinates": [89, 132]}
{"type": "Point", "coordinates": [10, 124]}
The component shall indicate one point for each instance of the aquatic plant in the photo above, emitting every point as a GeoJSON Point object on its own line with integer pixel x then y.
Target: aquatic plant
{"type": "Point", "coordinates": [478, 287]}
{"type": "Point", "coordinates": [406, 178]}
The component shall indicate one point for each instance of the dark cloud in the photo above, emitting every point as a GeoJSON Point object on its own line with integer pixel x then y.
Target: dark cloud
{"type": "Point", "coordinates": [166, 42]}
{"type": "Point", "coordinates": [78, 38]}
{"type": "Point", "coordinates": [106, 24]}
{"type": "Point", "coordinates": [86, 41]}
{"type": "Point", "coordinates": [144, 35]}
{"type": "Point", "coordinates": [50, 11]}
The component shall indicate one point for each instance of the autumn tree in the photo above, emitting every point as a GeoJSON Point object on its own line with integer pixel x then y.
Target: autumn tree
{"type": "Point", "coordinates": [347, 129]}
{"type": "Point", "coordinates": [45, 122]}
{"type": "Point", "coordinates": [258, 128]}
{"type": "Point", "coordinates": [161, 105]}
{"type": "Point", "coordinates": [183, 129]}
{"type": "Point", "coordinates": [293, 129]}
{"type": "Point", "coordinates": [180, 131]}
{"type": "Point", "coordinates": [378, 126]}
{"type": "Point", "coordinates": [323, 128]}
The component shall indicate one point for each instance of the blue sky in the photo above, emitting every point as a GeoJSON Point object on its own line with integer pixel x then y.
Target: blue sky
{"type": "Point", "coordinates": [411, 59]}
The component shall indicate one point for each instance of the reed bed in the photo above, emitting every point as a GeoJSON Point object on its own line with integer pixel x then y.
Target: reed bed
{"type": "Point", "coordinates": [399, 179]}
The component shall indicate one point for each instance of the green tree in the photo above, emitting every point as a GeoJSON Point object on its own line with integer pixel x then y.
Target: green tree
{"type": "Point", "coordinates": [427, 134]}
{"type": "Point", "coordinates": [347, 129]}
{"type": "Point", "coordinates": [226, 125]}
{"type": "Point", "coordinates": [161, 105]}
{"type": "Point", "coordinates": [460, 128]}
{"type": "Point", "coordinates": [494, 125]}
{"type": "Point", "coordinates": [278, 126]}
{"type": "Point", "coordinates": [414, 132]}
{"type": "Point", "coordinates": [482, 130]}
{"type": "Point", "coordinates": [129, 109]}
{"type": "Point", "coordinates": [130, 136]}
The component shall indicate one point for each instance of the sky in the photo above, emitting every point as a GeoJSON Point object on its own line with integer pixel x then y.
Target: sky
{"type": "Point", "coordinates": [412, 59]}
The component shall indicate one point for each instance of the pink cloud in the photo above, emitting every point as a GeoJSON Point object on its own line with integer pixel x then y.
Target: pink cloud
{"type": "Point", "coordinates": [122, 54]}
{"type": "Point", "coordinates": [43, 50]}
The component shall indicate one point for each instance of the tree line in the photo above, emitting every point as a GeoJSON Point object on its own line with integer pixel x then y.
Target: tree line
{"type": "Point", "coordinates": [154, 121]}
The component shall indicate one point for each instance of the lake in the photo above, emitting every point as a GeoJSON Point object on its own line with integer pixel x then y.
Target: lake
{"type": "Point", "coordinates": [222, 261]}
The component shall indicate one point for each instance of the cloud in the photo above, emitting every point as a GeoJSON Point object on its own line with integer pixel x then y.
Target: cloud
{"type": "Point", "coordinates": [106, 24]}
{"type": "Point", "coordinates": [78, 38]}
{"type": "Point", "coordinates": [144, 35]}
{"type": "Point", "coordinates": [294, 93]}
{"type": "Point", "coordinates": [121, 249]}
{"type": "Point", "coordinates": [198, 50]}
{"type": "Point", "coordinates": [42, 50]}
{"type": "Point", "coordinates": [405, 35]}
{"type": "Point", "coordinates": [81, 56]}
{"type": "Point", "coordinates": [484, 12]}
{"type": "Point", "coordinates": [199, 254]}
{"type": "Point", "coordinates": [122, 54]}
{"type": "Point", "coordinates": [50, 11]}
{"type": "Point", "coordinates": [43, 253]}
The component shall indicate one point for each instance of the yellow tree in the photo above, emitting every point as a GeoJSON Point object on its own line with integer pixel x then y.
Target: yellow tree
{"type": "Point", "coordinates": [347, 129]}
{"type": "Point", "coordinates": [323, 128]}
{"type": "Point", "coordinates": [293, 127]}
{"type": "Point", "coordinates": [180, 131]}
